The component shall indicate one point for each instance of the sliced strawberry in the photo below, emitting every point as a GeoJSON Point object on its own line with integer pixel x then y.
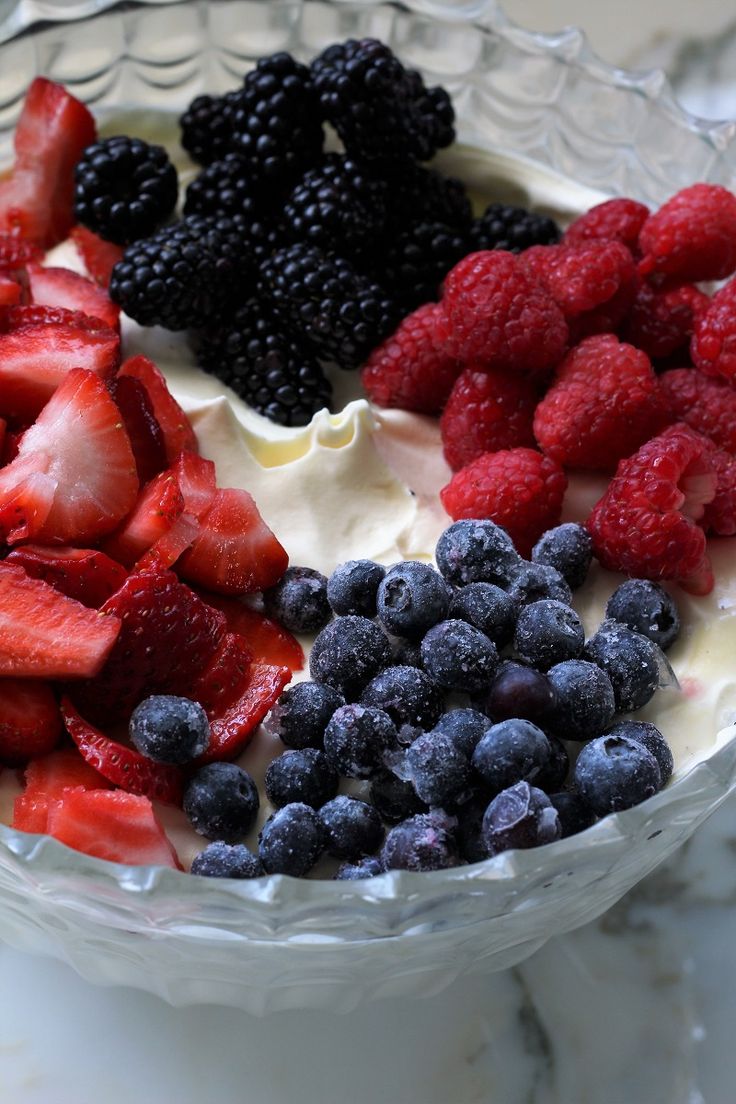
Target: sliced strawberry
{"type": "Point", "coordinates": [235, 725]}
{"type": "Point", "coordinates": [44, 634]}
{"type": "Point", "coordinates": [168, 548]}
{"type": "Point", "coordinates": [60, 287]}
{"type": "Point", "coordinates": [30, 723]}
{"type": "Point", "coordinates": [146, 437]}
{"type": "Point", "coordinates": [98, 256]}
{"type": "Point", "coordinates": [177, 431]}
{"type": "Point", "coordinates": [235, 551]}
{"type": "Point", "coordinates": [16, 253]}
{"type": "Point", "coordinates": [198, 482]}
{"type": "Point", "coordinates": [113, 825]}
{"type": "Point", "coordinates": [159, 505]}
{"type": "Point", "coordinates": [268, 641]}
{"type": "Point", "coordinates": [221, 681]}
{"type": "Point", "coordinates": [85, 574]}
{"type": "Point", "coordinates": [74, 477]}
{"type": "Point", "coordinates": [38, 348]}
{"type": "Point", "coordinates": [30, 814]}
{"type": "Point", "coordinates": [10, 443]}
{"type": "Point", "coordinates": [37, 200]}
{"type": "Point", "coordinates": [122, 765]}
{"type": "Point", "coordinates": [10, 291]}
{"type": "Point", "coordinates": [47, 779]}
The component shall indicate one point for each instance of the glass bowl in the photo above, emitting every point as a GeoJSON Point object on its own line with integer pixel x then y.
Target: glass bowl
{"type": "Point", "coordinates": [542, 103]}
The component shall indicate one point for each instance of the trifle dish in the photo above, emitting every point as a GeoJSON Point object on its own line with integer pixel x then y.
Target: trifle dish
{"type": "Point", "coordinates": [362, 483]}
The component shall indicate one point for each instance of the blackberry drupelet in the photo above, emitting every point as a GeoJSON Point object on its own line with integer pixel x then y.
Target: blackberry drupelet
{"type": "Point", "coordinates": [206, 129]}
{"type": "Point", "coordinates": [224, 188]}
{"type": "Point", "coordinates": [419, 194]}
{"type": "Point", "coordinates": [502, 226]}
{"type": "Point", "coordinates": [337, 206]}
{"type": "Point", "coordinates": [416, 261]}
{"type": "Point", "coordinates": [124, 188]}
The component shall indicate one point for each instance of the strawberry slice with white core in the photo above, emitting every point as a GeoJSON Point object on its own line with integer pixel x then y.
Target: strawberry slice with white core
{"type": "Point", "coordinates": [74, 477]}
{"type": "Point", "coordinates": [30, 722]}
{"type": "Point", "coordinates": [60, 287]}
{"type": "Point", "coordinates": [198, 482]}
{"type": "Point", "coordinates": [47, 779]}
{"type": "Point", "coordinates": [159, 505]}
{"type": "Point", "coordinates": [44, 634]}
{"type": "Point", "coordinates": [176, 428]}
{"type": "Point", "coordinates": [85, 574]}
{"type": "Point", "coordinates": [112, 825]}
{"type": "Point", "coordinates": [98, 256]}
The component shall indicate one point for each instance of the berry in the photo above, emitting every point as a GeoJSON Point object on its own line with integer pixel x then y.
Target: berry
{"type": "Point", "coordinates": [457, 656]}
{"type": "Point", "coordinates": [300, 716]}
{"type": "Point", "coordinates": [568, 549]}
{"type": "Point", "coordinates": [614, 773]}
{"type": "Point", "coordinates": [437, 768]}
{"type": "Point", "coordinates": [487, 411]}
{"type": "Point", "coordinates": [395, 798]}
{"type": "Point", "coordinates": [706, 404]}
{"type": "Point", "coordinates": [574, 812]}
{"type": "Point", "coordinates": [352, 828]}
{"type": "Point", "coordinates": [521, 816]}
{"type": "Point", "coordinates": [299, 600]}
{"type": "Point", "coordinates": [221, 802]}
{"type": "Point", "coordinates": [646, 608]}
{"type": "Point", "coordinates": [353, 587]}
{"type": "Point", "coordinates": [112, 825]}
{"type": "Point", "coordinates": [348, 653]}
{"type": "Point", "coordinates": [406, 694]}
{"type": "Point", "coordinates": [415, 260]}
{"type": "Point", "coordinates": [369, 867]}
{"type": "Point", "coordinates": [532, 582]}
{"type": "Point", "coordinates": [487, 607]}
{"type": "Point", "coordinates": [720, 514]}
{"type": "Point", "coordinates": [234, 724]}
{"type": "Point", "coordinates": [520, 489]}
{"type": "Point", "coordinates": [494, 313]}
{"type": "Point", "coordinates": [604, 403]}
{"type": "Point", "coordinates": [464, 727]}
{"type": "Point", "coordinates": [224, 188]}
{"type": "Point", "coordinates": [337, 206]}
{"type": "Point", "coordinates": [268, 641]}
{"type": "Point", "coordinates": [556, 771]}
{"type": "Point", "coordinates": [661, 320]}
{"type": "Point", "coordinates": [476, 550]}
{"type": "Point", "coordinates": [124, 188]}
{"type": "Point", "coordinates": [356, 738]}
{"type": "Point", "coordinates": [422, 842]}
{"type": "Point", "coordinates": [468, 832]}
{"type": "Point", "coordinates": [84, 574]}
{"type": "Point", "coordinates": [205, 128]}
{"type": "Point", "coordinates": [169, 729]}
{"type": "Point", "coordinates": [412, 597]}
{"type": "Point", "coordinates": [176, 428]}
{"type": "Point", "coordinates": [618, 219]}
{"type": "Point", "coordinates": [30, 722]}
{"type": "Point", "coordinates": [420, 194]}
{"type": "Point", "coordinates": [502, 226]}
{"type": "Point", "coordinates": [548, 632]}
{"type": "Point", "coordinates": [305, 775]}
{"type": "Point", "coordinates": [511, 751]}
{"type": "Point", "coordinates": [649, 736]}
{"type": "Point", "coordinates": [381, 111]}
{"type": "Point", "coordinates": [46, 780]}
{"type": "Point", "coordinates": [585, 701]}
{"type": "Point", "coordinates": [629, 659]}
{"type": "Point", "coordinates": [291, 840]}
{"type": "Point", "coordinates": [227, 860]}
{"type": "Point", "coordinates": [692, 236]}
{"type": "Point", "coordinates": [50, 286]}
{"type": "Point", "coordinates": [713, 344]}
{"type": "Point", "coordinates": [523, 692]}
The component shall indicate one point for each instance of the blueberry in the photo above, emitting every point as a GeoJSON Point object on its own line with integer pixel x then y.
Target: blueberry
{"type": "Point", "coordinates": [530, 582]}
{"type": "Point", "coordinates": [291, 840]}
{"type": "Point", "coordinates": [394, 797]}
{"type": "Point", "coordinates": [585, 700]}
{"type": "Point", "coordinates": [476, 551]}
{"type": "Point", "coordinates": [521, 816]}
{"type": "Point", "coordinates": [509, 752]}
{"type": "Point", "coordinates": [468, 834]}
{"type": "Point", "coordinates": [548, 632]}
{"type": "Point", "coordinates": [353, 587]}
{"type": "Point", "coordinates": [369, 867]}
{"type": "Point", "coordinates": [305, 775]}
{"type": "Point", "coordinates": [406, 694]}
{"type": "Point", "coordinates": [457, 656]}
{"type": "Point", "coordinates": [411, 598]}
{"type": "Point", "coordinates": [227, 860]}
{"type": "Point", "coordinates": [630, 660]}
{"type": "Point", "coordinates": [518, 691]}
{"type": "Point", "coordinates": [169, 729]}
{"type": "Point", "coordinates": [487, 607]}
{"type": "Point", "coordinates": [567, 548]}
{"type": "Point", "coordinates": [352, 828]}
{"type": "Point", "coordinates": [647, 608]}
{"type": "Point", "coordinates": [554, 775]}
{"type": "Point", "coordinates": [652, 739]}
{"type": "Point", "coordinates": [300, 716]}
{"type": "Point", "coordinates": [614, 773]}
{"type": "Point", "coordinates": [574, 812]}
{"type": "Point", "coordinates": [356, 739]}
{"type": "Point", "coordinates": [299, 600]}
{"type": "Point", "coordinates": [464, 727]}
{"type": "Point", "coordinates": [407, 653]}
{"type": "Point", "coordinates": [348, 653]}
{"type": "Point", "coordinates": [221, 802]}
{"type": "Point", "coordinates": [439, 771]}
{"type": "Point", "coordinates": [420, 843]}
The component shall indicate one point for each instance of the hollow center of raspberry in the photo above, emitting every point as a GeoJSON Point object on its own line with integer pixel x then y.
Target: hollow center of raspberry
{"type": "Point", "coordinates": [698, 486]}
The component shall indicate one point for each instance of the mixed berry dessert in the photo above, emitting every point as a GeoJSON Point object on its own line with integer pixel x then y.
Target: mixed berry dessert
{"type": "Point", "coordinates": [255, 622]}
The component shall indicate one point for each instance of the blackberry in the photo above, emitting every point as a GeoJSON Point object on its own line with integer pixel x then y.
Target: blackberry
{"type": "Point", "coordinates": [227, 860]}
{"type": "Point", "coordinates": [224, 188]}
{"type": "Point", "coordinates": [457, 656]}
{"type": "Point", "coordinates": [548, 632]}
{"type": "Point", "coordinates": [521, 816]}
{"type": "Point", "coordinates": [510, 752]}
{"type": "Point", "coordinates": [265, 365]}
{"type": "Point", "coordinates": [614, 773]}
{"type": "Point", "coordinates": [416, 260]}
{"type": "Point", "coordinates": [300, 775]}
{"type": "Point", "coordinates": [422, 842]}
{"type": "Point", "coordinates": [412, 597]}
{"type": "Point", "coordinates": [299, 600]}
{"type": "Point", "coordinates": [487, 607]}
{"type": "Point", "coordinates": [353, 586]}
{"type": "Point", "coordinates": [419, 194]}
{"type": "Point", "coordinates": [124, 188]}
{"type": "Point", "coordinates": [342, 314]}
{"type": "Point", "coordinates": [569, 549]}
{"type": "Point", "coordinates": [300, 716]}
{"type": "Point", "coordinates": [585, 704]}
{"type": "Point", "coordinates": [206, 129]}
{"type": "Point", "coordinates": [502, 226]}
{"type": "Point", "coordinates": [381, 110]}
{"type": "Point", "coordinates": [647, 608]}
{"type": "Point", "coordinates": [337, 206]}
{"type": "Point", "coordinates": [353, 828]}
{"type": "Point", "coordinates": [169, 729]}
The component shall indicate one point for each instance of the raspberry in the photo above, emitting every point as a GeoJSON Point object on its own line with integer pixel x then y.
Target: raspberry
{"type": "Point", "coordinates": [707, 405]}
{"type": "Point", "coordinates": [519, 489]}
{"type": "Point", "coordinates": [692, 237]}
{"type": "Point", "coordinates": [409, 370]}
{"type": "Point", "coordinates": [494, 312]}
{"type": "Point", "coordinates": [487, 411]}
{"type": "Point", "coordinates": [713, 344]}
{"type": "Point", "coordinates": [720, 514]}
{"type": "Point", "coordinates": [615, 220]}
{"type": "Point", "coordinates": [661, 321]}
{"type": "Point", "coordinates": [603, 404]}
{"type": "Point", "coordinates": [644, 525]}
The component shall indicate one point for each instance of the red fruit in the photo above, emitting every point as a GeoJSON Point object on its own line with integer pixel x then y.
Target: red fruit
{"type": "Point", "coordinates": [10, 443]}
{"type": "Point", "coordinates": [220, 682]}
{"type": "Point", "coordinates": [113, 825]}
{"type": "Point", "coordinates": [158, 506]}
{"type": "Point", "coordinates": [47, 779]}
{"type": "Point", "coordinates": [39, 346]}
{"type": "Point", "coordinates": [74, 477]}
{"type": "Point", "coordinates": [662, 320]}
{"type": "Point", "coordinates": [233, 729]}
{"type": "Point", "coordinates": [98, 256]}
{"type": "Point", "coordinates": [604, 403]}
{"type": "Point", "coordinates": [410, 370]}
{"type": "Point", "coordinates": [645, 523]}
{"type": "Point", "coordinates": [144, 432]}
{"type": "Point", "coordinates": [44, 634]}
{"type": "Point", "coordinates": [175, 426]}
{"type": "Point", "coordinates": [60, 287]}
{"type": "Point", "coordinates": [85, 574]}
{"type": "Point", "coordinates": [720, 514]}
{"type": "Point", "coordinates": [16, 253]}
{"type": "Point", "coordinates": [30, 723]}
{"type": "Point", "coordinates": [713, 344]}
{"type": "Point", "coordinates": [692, 236]}
{"type": "Point", "coordinates": [496, 314]}
{"type": "Point", "coordinates": [121, 765]}
{"type": "Point", "coordinates": [198, 482]}
{"type": "Point", "coordinates": [519, 489]}
{"type": "Point", "coordinates": [268, 641]}
{"type": "Point", "coordinates": [707, 405]}
{"type": "Point", "coordinates": [487, 411]}
{"type": "Point", "coordinates": [10, 291]}
{"type": "Point", "coordinates": [235, 551]}
{"type": "Point", "coordinates": [170, 545]}
{"type": "Point", "coordinates": [614, 220]}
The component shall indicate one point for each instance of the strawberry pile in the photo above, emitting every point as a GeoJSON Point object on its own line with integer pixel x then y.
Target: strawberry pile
{"type": "Point", "coordinates": [599, 353]}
